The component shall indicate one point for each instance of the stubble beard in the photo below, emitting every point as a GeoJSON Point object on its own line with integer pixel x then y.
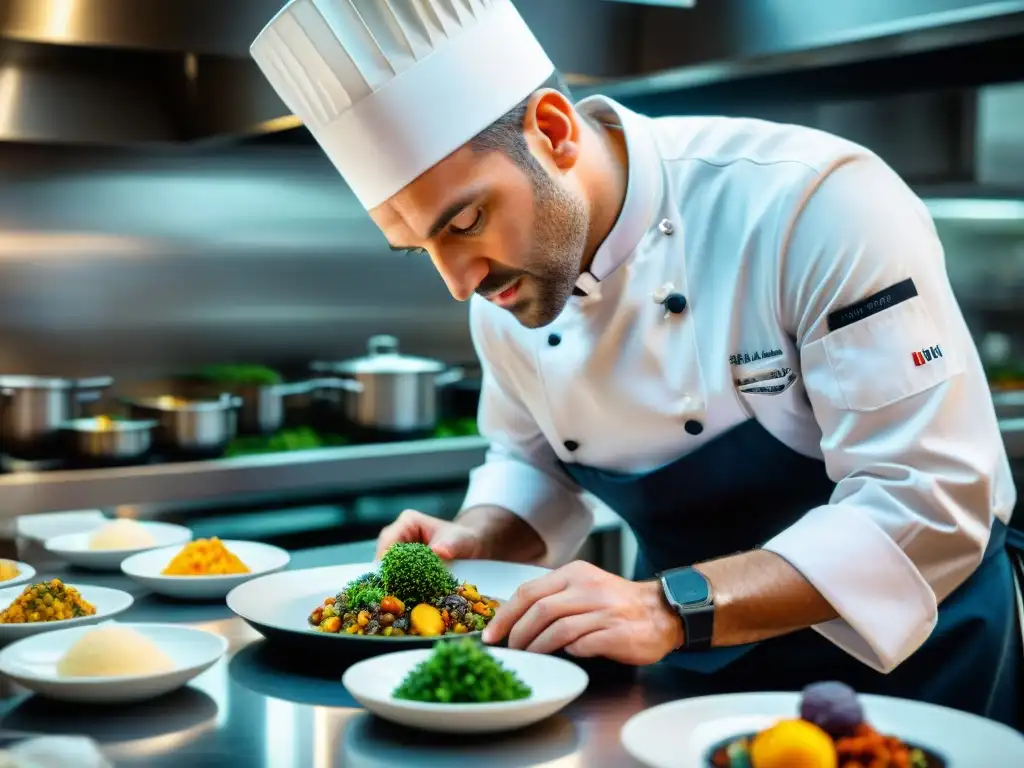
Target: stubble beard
{"type": "Point", "coordinates": [559, 238]}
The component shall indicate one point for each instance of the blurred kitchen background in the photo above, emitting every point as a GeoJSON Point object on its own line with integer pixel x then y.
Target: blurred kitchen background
{"type": "Point", "coordinates": [168, 232]}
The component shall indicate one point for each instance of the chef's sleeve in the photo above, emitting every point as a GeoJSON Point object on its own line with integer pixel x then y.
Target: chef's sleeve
{"type": "Point", "coordinates": [909, 432]}
{"type": "Point", "coordinates": [520, 472]}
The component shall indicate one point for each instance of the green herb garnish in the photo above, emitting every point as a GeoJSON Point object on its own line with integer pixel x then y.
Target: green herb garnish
{"type": "Point", "coordinates": [363, 592]}
{"type": "Point", "coordinates": [461, 671]}
{"type": "Point", "coordinates": [239, 375]}
{"type": "Point", "coordinates": [414, 572]}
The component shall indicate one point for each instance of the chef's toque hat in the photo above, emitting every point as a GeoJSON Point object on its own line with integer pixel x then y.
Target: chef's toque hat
{"type": "Point", "coordinates": [389, 88]}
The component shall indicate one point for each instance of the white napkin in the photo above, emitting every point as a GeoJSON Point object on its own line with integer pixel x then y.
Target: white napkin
{"type": "Point", "coordinates": [54, 752]}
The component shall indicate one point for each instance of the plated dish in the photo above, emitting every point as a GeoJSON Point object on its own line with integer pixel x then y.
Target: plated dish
{"type": "Point", "coordinates": [47, 601]}
{"type": "Point", "coordinates": [204, 569]}
{"type": "Point", "coordinates": [105, 547]}
{"type": "Point", "coordinates": [49, 605]}
{"type": "Point", "coordinates": [205, 557]}
{"type": "Point", "coordinates": [111, 662]}
{"type": "Point", "coordinates": [13, 572]}
{"type": "Point", "coordinates": [823, 726]}
{"type": "Point", "coordinates": [412, 593]}
{"type": "Point", "coordinates": [462, 686]}
{"type": "Point", "coordinates": [280, 606]}
{"type": "Point", "coordinates": [830, 731]}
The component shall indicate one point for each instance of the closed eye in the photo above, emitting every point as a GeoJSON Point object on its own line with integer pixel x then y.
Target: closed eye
{"type": "Point", "coordinates": [469, 222]}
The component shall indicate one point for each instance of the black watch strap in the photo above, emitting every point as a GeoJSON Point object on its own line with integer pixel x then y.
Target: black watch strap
{"type": "Point", "coordinates": [688, 592]}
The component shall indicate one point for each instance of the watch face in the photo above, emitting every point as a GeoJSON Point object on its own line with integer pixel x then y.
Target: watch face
{"type": "Point", "coordinates": [687, 587]}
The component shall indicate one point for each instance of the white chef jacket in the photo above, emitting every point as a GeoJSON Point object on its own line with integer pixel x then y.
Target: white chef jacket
{"type": "Point", "coordinates": [766, 230]}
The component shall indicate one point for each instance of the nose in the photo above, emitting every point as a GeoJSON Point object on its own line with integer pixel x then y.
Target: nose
{"type": "Point", "coordinates": [461, 275]}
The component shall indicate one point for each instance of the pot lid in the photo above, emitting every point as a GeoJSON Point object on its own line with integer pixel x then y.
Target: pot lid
{"type": "Point", "coordinates": [383, 357]}
{"type": "Point", "coordinates": [53, 382]}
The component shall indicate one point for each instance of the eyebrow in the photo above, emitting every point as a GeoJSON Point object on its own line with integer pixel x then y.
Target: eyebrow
{"type": "Point", "coordinates": [443, 219]}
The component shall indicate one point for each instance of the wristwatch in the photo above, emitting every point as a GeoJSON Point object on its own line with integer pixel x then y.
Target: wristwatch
{"type": "Point", "coordinates": [688, 591]}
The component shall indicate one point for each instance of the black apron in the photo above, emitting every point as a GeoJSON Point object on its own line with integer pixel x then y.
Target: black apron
{"type": "Point", "coordinates": [743, 488]}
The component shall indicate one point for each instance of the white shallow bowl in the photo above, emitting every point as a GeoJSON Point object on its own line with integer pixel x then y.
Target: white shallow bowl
{"type": "Point", "coordinates": [680, 733]}
{"type": "Point", "coordinates": [25, 574]}
{"type": "Point", "coordinates": [108, 603]}
{"type": "Point", "coordinates": [145, 568]}
{"type": "Point", "coordinates": [49, 524]}
{"type": "Point", "coordinates": [278, 606]}
{"type": "Point", "coordinates": [32, 663]}
{"type": "Point", "coordinates": [555, 682]}
{"type": "Point", "coordinates": [74, 547]}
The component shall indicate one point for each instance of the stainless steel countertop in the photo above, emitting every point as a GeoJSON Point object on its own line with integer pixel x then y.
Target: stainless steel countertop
{"type": "Point", "coordinates": [259, 708]}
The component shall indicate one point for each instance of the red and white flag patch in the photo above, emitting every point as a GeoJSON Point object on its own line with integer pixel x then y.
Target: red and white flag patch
{"type": "Point", "coordinates": [926, 355]}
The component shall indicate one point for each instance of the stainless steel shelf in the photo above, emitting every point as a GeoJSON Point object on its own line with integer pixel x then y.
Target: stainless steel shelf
{"type": "Point", "coordinates": [328, 470]}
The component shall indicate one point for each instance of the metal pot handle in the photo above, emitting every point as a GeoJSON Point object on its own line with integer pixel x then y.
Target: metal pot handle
{"type": "Point", "coordinates": [382, 344]}
{"type": "Point", "coordinates": [98, 382]}
{"type": "Point", "coordinates": [294, 388]}
{"type": "Point", "coordinates": [451, 376]}
{"type": "Point", "coordinates": [88, 390]}
{"type": "Point", "coordinates": [305, 387]}
{"type": "Point", "coordinates": [348, 385]}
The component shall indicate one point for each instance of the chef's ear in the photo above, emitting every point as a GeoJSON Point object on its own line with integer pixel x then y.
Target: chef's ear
{"type": "Point", "coordinates": [552, 127]}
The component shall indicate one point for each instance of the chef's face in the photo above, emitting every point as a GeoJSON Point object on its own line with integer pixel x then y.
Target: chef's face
{"type": "Point", "coordinates": [513, 231]}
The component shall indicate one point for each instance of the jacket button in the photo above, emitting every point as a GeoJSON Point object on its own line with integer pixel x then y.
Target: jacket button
{"type": "Point", "coordinates": [693, 427]}
{"type": "Point", "coordinates": [571, 445]}
{"type": "Point", "coordinates": [554, 340]}
{"type": "Point", "coordinates": [665, 227]}
{"type": "Point", "coordinates": [675, 303]}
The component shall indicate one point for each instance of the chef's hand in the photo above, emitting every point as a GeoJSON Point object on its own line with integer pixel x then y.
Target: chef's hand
{"type": "Point", "coordinates": [587, 612]}
{"type": "Point", "coordinates": [451, 541]}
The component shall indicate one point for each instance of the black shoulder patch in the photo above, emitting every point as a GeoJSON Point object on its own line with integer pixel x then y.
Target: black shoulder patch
{"type": "Point", "coordinates": [873, 304]}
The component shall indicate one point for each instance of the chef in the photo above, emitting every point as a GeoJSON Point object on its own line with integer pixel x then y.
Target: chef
{"type": "Point", "coordinates": [738, 335]}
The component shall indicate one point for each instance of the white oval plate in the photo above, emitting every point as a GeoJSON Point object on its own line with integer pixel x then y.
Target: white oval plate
{"type": "Point", "coordinates": [25, 574]}
{"type": "Point", "coordinates": [680, 733]}
{"type": "Point", "coordinates": [555, 682]}
{"type": "Point", "coordinates": [108, 603]}
{"type": "Point", "coordinates": [146, 567]}
{"type": "Point", "coordinates": [278, 606]}
{"type": "Point", "coordinates": [33, 664]}
{"type": "Point", "coordinates": [74, 547]}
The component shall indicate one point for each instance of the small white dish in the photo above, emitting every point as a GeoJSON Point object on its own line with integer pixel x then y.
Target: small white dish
{"type": "Point", "coordinates": [146, 568]}
{"type": "Point", "coordinates": [554, 682]}
{"type": "Point", "coordinates": [680, 734]}
{"type": "Point", "coordinates": [74, 547]}
{"type": "Point", "coordinates": [108, 603]}
{"type": "Point", "coordinates": [25, 574]}
{"type": "Point", "coordinates": [46, 525]}
{"type": "Point", "coordinates": [33, 664]}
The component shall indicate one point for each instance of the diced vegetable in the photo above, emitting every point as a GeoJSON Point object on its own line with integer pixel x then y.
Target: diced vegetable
{"type": "Point", "coordinates": [426, 620]}
{"type": "Point", "coordinates": [391, 604]}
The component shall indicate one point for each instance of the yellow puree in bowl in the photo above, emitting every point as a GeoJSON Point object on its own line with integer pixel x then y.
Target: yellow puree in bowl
{"type": "Point", "coordinates": [205, 557]}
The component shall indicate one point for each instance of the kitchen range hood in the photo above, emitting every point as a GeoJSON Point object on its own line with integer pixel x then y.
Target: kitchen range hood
{"type": "Point", "coordinates": [128, 72]}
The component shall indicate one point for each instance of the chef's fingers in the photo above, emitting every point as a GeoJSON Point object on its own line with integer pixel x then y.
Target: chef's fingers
{"type": "Point", "coordinates": [408, 526]}
{"type": "Point", "coordinates": [525, 596]}
{"type": "Point", "coordinates": [545, 612]}
{"type": "Point", "coordinates": [453, 542]}
{"type": "Point", "coordinates": [566, 631]}
{"type": "Point", "coordinates": [600, 642]}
